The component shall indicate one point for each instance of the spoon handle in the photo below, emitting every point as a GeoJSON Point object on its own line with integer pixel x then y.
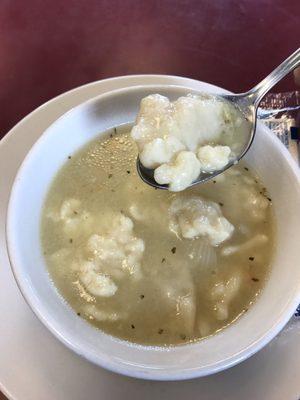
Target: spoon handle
{"type": "Point", "coordinates": [258, 92]}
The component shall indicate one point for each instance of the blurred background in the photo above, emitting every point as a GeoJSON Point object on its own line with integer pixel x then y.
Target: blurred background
{"type": "Point", "coordinates": [51, 46]}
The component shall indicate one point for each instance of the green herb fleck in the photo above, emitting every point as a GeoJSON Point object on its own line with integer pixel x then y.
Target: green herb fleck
{"type": "Point", "coordinates": [69, 157]}
{"type": "Point", "coordinates": [110, 176]}
{"type": "Point", "coordinates": [163, 260]}
{"type": "Point", "coordinates": [71, 240]}
{"type": "Point", "coordinates": [246, 169]}
{"type": "Point", "coordinates": [115, 130]}
{"type": "Point", "coordinates": [173, 250]}
{"type": "Point", "coordinates": [182, 336]}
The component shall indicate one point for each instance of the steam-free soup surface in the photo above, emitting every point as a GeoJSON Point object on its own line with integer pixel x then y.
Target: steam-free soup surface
{"type": "Point", "coordinates": [151, 266]}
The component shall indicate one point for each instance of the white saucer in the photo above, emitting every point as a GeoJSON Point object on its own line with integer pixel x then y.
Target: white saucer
{"type": "Point", "coordinates": [36, 366]}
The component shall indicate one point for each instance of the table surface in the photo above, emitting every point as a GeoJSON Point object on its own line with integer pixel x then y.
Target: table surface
{"type": "Point", "coordinates": [48, 47]}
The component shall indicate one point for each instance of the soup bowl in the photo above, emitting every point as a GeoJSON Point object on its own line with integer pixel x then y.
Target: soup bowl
{"type": "Point", "coordinates": [265, 318]}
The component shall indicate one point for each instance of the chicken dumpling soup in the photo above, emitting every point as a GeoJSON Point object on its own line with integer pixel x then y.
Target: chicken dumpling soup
{"type": "Point", "coordinates": [149, 266]}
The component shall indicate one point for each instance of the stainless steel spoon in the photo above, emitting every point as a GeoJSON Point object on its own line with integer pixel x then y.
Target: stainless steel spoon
{"type": "Point", "coordinates": [247, 103]}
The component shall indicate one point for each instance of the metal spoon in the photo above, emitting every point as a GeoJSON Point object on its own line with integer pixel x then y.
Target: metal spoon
{"type": "Point", "coordinates": [247, 103]}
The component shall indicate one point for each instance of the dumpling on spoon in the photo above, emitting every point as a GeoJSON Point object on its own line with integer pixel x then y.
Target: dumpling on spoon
{"type": "Point", "coordinates": [180, 139]}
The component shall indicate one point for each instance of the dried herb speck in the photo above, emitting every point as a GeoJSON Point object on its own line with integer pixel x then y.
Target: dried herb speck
{"type": "Point", "coordinates": [132, 326]}
{"type": "Point", "coordinates": [255, 279]}
{"type": "Point", "coordinates": [251, 258]}
{"type": "Point", "coordinates": [142, 296]}
{"type": "Point", "coordinates": [269, 198]}
{"type": "Point", "coordinates": [173, 250]}
{"type": "Point", "coordinates": [221, 204]}
{"type": "Point", "coordinates": [69, 157]}
{"type": "Point", "coordinates": [75, 212]}
{"type": "Point", "coordinates": [71, 240]}
{"type": "Point", "coordinates": [246, 169]}
{"type": "Point", "coordinates": [160, 331]}
{"type": "Point", "coordinates": [78, 314]}
{"type": "Point", "coordinates": [110, 176]}
{"type": "Point", "coordinates": [163, 260]}
{"type": "Point", "coordinates": [182, 336]}
{"type": "Point", "coordinates": [128, 172]}
{"type": "Point", "coordinates": [214, 181]}
{"type": "Point", "coordinates": [115, 130]}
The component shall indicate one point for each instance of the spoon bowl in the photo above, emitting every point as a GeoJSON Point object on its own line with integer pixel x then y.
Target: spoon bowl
{"type": "Point", "coordinates": [247, 103]}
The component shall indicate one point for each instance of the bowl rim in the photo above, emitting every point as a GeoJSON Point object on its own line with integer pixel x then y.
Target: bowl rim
{"type": "Point", "coordinates": [20, 278]}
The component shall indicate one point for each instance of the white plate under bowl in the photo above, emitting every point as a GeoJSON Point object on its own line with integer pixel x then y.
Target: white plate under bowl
{"type": "Point", "coordinates": [33, 365]}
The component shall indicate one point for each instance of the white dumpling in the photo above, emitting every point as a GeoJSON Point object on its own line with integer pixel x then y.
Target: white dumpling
{"type": "Point", "coordinates": [193, 217]}
{"type": "Point", "coordinates": [180, 173]}
{"type": "Point", "coordinates": [74, 219]}
{"type": "Point", "coordinates": [223, 293]}
{"type": "Point", "coordinates": [95, 282]}
{"type": "Point", "coordinates": [117, 247]}
{"type": "Point", "coordinates": [160, 151]}
{"type": "Point", "coordinates": [213, 158]}
{"type": "Point", "coordinates": [96, 313]}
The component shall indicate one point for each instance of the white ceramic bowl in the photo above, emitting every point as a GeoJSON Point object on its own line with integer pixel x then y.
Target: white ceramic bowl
{"type": "Point", "coordinates": [250, 333]}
